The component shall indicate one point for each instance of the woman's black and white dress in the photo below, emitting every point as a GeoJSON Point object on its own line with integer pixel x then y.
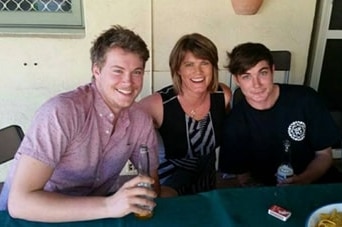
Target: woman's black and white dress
{"type": "Point", "coordinates": [187, 156]}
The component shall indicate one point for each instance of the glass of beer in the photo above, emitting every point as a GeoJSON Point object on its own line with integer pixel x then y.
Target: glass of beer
{"type": "Point", "coordinates": [144, 169]}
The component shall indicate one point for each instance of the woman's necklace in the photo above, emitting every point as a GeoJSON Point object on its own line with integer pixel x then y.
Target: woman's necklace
{"type": "Point", "coordinates": [194, 111]}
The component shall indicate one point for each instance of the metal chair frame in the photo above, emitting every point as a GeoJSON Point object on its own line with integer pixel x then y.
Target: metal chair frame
{"type": "Point", "coordinates": [10, 139]}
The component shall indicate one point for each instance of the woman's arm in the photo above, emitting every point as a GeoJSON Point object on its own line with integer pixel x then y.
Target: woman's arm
{"type": "Point", "coordinates": [153, 105]}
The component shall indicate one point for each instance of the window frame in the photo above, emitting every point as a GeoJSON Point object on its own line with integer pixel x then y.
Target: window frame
{"type": "Point", "coordinates": [43, 22]}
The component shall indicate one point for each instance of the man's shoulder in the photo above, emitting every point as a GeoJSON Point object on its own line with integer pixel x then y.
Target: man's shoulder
{"type": "Point", "coordinates": [237, 112]}
{"type": "Point", "coordinates": [136, 110]}
{"type": "Point", "coordinates": [78, 93]}
{"type": "Point", "coordinates": [294, 92]}
{"type": "Point", "coordinates": [297, 88]}
{"type": "Point", "coordinates": [78, 98]}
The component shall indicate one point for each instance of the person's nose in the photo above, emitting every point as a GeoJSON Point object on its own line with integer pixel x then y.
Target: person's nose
{"type": "Point", "coordinates": [198, 69]}
{"type": "Point", "coordinates": [256, 81]}
{"type": "Point", "coordinates": [127, 78]}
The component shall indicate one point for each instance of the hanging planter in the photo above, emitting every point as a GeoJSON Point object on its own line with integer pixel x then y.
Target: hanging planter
{"type": "Point", "coordinates": [246, 7]}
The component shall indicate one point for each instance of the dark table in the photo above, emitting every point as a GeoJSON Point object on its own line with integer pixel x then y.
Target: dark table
{"type": "Point", "coordinates": [246, 207]}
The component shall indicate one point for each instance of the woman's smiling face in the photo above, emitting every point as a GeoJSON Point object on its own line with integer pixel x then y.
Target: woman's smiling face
{"type": "Point", "coordinates": [196, 73]}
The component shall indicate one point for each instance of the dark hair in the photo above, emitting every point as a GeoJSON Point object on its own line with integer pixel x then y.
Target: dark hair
{"type": "Point", "coordinates": [201, 47]}
{"type": "Point", "coordinates": [118, 36]}
{"type": "Point", "coordinates": [246, 55]}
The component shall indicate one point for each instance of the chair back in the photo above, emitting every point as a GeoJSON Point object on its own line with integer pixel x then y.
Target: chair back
{"type": "Point", "coordinates": [10, 139]}
{"type": "Point", "coordinates": [337, 116]}
{"type": "Point", "coordinates": [282, 62]}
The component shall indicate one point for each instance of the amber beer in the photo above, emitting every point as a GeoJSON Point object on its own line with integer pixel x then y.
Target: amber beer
{"type": "Point", "coordinates": [144, 216]}
{"type": "Point", "coordinates": [149, 212]}
{"type": "Point", "coordinates": [144, 169]}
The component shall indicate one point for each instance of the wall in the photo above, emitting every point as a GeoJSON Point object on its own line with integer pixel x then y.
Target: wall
{"type": "Point", "coordinates": [63, 63]}
{"type": "Point", "coordinates": [279, 24]}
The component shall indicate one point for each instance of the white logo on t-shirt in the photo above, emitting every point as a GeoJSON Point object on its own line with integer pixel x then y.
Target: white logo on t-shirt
{"type": "Point", "coordinates": [296, 130]}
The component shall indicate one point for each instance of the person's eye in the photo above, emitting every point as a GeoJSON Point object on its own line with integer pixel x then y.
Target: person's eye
{"type": "Point", "coordinates": [264, 72]}
{"type": "Point", "coordinates": [138, 73]}
{"type": "Point", "coordinates": [189, 64]}
{"type": "Point", "coordinates": [117, 71]}
{"type": "Point", "coordinates": [245, 76]}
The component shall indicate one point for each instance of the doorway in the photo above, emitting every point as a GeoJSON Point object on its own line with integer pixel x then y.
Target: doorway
{"type": "Point", "coordinates": [324, 71]}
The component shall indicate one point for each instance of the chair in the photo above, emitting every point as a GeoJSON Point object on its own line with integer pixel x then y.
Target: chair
{"type": "Point", "coordinates": [10, 139]}
{"type": "Point", "coordinates": [282, 62]}
{"type": "Point", "coordinates": [337, 117]}
{"type": "Point", "coordinates": [337, 148]}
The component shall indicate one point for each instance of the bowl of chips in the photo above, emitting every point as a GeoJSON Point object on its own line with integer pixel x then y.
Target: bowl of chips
{"type": "Point", "coordinates": [326, 216]}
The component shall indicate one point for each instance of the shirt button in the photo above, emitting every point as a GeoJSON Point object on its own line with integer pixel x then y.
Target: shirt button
{"type": "Point", "coordinates": [107, 131]}
{"type": "Point", "coordinates": [101, 115]}
{"type": "Point", "coordinates": [111, 115]}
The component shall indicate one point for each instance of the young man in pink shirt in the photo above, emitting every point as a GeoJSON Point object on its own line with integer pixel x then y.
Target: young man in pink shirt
{"type": "Point", "coordinates": [69, 161]}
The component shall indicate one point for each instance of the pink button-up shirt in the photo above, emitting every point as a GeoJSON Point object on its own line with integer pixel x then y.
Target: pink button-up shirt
{"type": "Point", "coordinates": [74, 134]}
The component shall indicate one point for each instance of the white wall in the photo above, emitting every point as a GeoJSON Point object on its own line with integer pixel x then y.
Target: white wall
{"type": "Point", "coordinates": [279, 24]}
{"type": "Point", "coordinates": [63, 63]}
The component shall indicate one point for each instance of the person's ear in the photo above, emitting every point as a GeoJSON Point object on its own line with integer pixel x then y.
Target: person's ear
{"type": "Point", "coordinates": [236, 80]}
{"type": "Point", "coordinates": [96, 70]}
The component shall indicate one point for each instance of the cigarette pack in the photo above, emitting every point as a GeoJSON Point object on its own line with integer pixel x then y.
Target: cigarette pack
{"type": "Point", "coordinates": [279, 212]}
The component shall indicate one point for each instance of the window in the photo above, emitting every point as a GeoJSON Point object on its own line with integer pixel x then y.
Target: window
{"type": "Point", "coordinates": [41, 16]}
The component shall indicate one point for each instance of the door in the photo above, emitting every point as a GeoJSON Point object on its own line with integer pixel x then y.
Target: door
{"type": "Point", "coordinates": [325, 64]}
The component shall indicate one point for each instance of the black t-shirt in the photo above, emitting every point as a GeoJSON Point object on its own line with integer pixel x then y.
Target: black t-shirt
{"type": "Point", "coordinates": [253, 139]}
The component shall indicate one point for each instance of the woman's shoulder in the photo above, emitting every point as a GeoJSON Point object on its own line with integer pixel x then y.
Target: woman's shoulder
{"type": "Point", "coordinates": [150, 101]}
{"type": "Point", "coordinates": [152, 105]}
{"type": "Point", "coordinates": [227, 92]}
{"type": "Point", "coordinates": [167, 92]}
